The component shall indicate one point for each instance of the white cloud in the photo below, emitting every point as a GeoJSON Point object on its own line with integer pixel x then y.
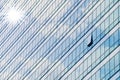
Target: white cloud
{"type": "Point", "coordinates": [73, 35]}
{"type": "Point", "coordinates": [78, 31]}
{"type": "Point", "coordinates": [58, 33]}
{"type": "Point", "coordinates": [51, 9]}
{"type": "Point", "coordinates": [55, 71]}
{"type": "Point", "coordinates": [44, 66]}
{"type": "Point", "coordinates": [5, 74]}
{"type": "Point", "coordinates": [63, 11]}
{"type": "Point", "coordinates": [47, 29]}
{"type": "Point", "coordinates": [29, 64]}
{"type": "Point", "coordinates": [19, 74]}
{"type": "Point", "coordinates": [62, 30]}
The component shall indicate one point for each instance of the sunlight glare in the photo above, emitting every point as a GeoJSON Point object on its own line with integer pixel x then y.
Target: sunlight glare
{"type": "Point", "coordinates": [14, 15]}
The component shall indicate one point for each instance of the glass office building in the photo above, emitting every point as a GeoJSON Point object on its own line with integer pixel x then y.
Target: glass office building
{"type": "Point", "coordinates": [59, 39]}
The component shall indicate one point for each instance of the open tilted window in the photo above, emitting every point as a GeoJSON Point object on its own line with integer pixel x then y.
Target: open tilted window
{"type": "Point", "coordinates": [90, 40]}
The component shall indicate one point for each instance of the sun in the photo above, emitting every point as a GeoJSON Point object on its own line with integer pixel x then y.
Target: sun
{"type": "Point", "coordinates": [14, 16]}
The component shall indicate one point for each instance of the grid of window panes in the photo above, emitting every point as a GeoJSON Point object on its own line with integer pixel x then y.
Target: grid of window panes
{"type": "Point", "coordinates": [96, 57]}
{"type": "Point", "coordinates": [52, 39]}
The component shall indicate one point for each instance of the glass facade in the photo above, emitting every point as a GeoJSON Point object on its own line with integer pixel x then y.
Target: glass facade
{"type": "Point", "coordinates": [59, 40]}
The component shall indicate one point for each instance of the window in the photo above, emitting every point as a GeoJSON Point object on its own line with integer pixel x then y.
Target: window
{"type": "Point", "coordinates": [90, 40]}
